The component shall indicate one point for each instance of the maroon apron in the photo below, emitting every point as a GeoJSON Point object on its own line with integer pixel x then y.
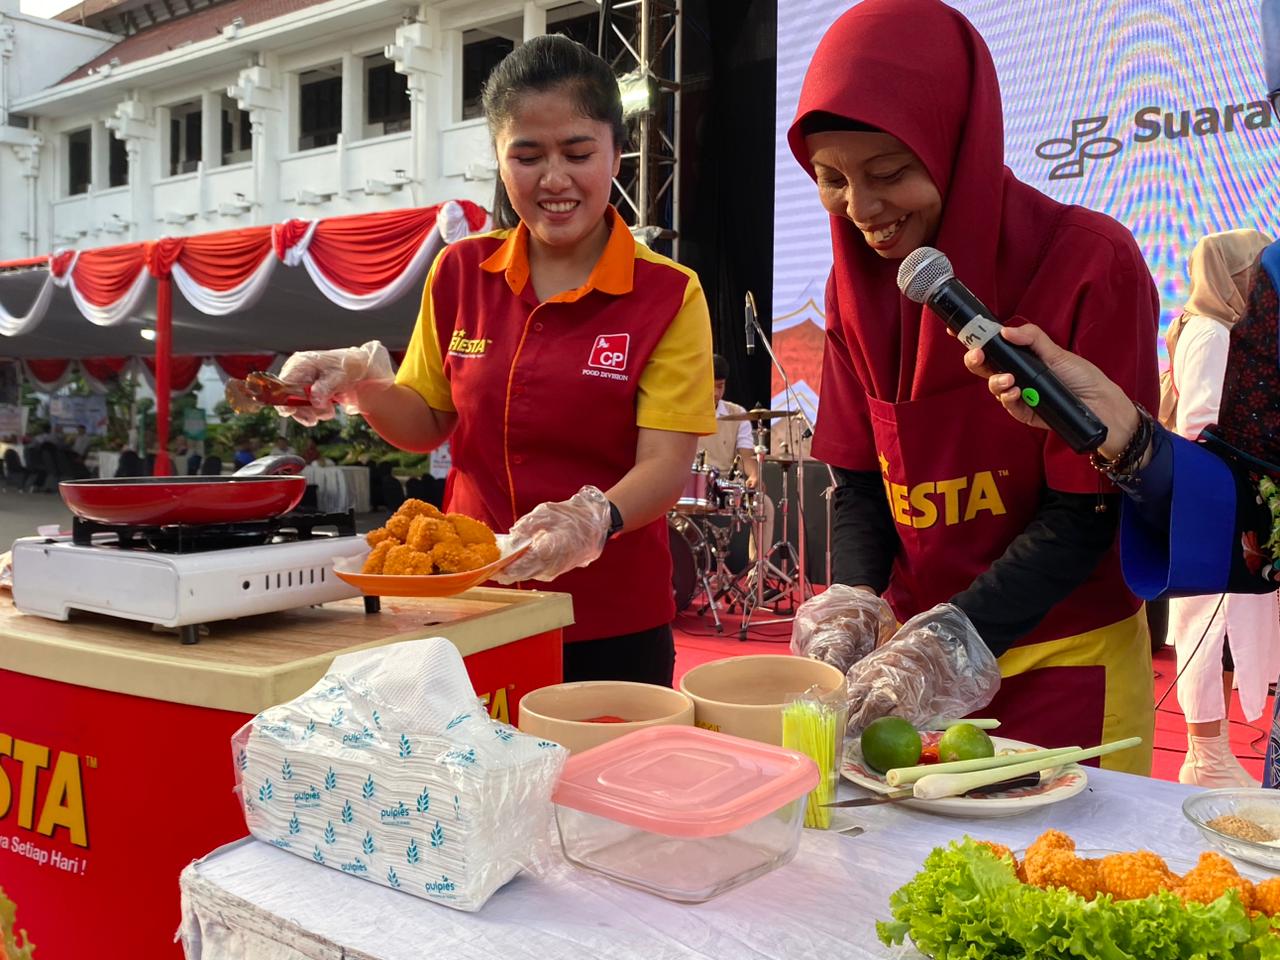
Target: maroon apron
{"type": "Point", "coordinates": [963, 479]}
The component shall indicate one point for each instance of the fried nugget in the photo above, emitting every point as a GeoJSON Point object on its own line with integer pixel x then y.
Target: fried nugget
{"type": "Point", "coordinates": [418, 508]}
{"type": "Point", "coordinates": [426, 532]}
{"type": "Point", "coordinates": [380, 535]}
{"type": "Point", "coordinates": [450, 557]}
{"type": "Point", "coordinates": [1213, 876]}
{"type": "Point", "coordinates": [479, 555]}
{"type": "Point", "coordinates": [378, 557]}
{"type": "Point", "coordinates": [1134, 876]}
{"type": "Point", "coordinates": [1049, 840]}
{"type": "Point", "coordinates": [398, 527]}
{"type": "Point", "coordinates": [1266, 896]}
{"type": "Point", "coordinates": [403, 560]}
{"type": "Point", "coordinates": [1062, 868]}
{"type": "Point", "coordinates": [471, 531]}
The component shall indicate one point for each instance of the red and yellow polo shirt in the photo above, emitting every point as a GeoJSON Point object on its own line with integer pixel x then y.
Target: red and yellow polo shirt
{"type": "Point", "coordinates": [551, 396]}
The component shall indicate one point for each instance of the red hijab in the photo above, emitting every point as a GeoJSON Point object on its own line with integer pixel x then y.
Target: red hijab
{"type": "Point", "coordinates": [918, 70]}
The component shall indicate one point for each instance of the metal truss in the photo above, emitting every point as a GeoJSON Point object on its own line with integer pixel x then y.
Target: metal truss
{"type": "Point", "coordinates": [642, 40]}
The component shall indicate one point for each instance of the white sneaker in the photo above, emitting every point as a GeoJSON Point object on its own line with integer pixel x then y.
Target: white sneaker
{"type": "Point", "coordinates": [1210, 763]}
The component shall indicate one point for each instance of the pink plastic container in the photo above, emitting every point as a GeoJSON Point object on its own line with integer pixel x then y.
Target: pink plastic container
{"type": "Point", "coordinates": [682, 812]}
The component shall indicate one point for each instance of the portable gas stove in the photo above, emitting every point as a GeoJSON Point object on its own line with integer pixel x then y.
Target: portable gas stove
{"type": "Point", "coordinates": [187, 575]}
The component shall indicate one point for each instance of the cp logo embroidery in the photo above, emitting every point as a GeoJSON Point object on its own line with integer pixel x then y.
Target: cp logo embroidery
{"type": "Point", "coordinates": [609, 352]}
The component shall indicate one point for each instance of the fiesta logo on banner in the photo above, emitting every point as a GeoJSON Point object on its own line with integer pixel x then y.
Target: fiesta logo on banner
{"type": "Point", "coordinates": [44, 803]}
{"type": "Point", "coordinates": [1086, 142]}
{"type": "Point", "coordinates": [609, 352]}
{"type": "Point", "coordinates": [953, 501]}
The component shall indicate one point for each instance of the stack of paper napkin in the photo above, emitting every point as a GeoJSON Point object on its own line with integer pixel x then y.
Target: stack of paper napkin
{"type": "Point", "coordinates": [390, 769]}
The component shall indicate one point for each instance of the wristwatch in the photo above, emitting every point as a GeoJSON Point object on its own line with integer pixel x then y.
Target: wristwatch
{"type": "Point", "coordinates": [615, 522]}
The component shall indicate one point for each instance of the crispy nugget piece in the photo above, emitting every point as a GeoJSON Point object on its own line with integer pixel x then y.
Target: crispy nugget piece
{"type": "Point", "coordinates": [418, 508]}
{"type": "Point", "coordinates": [1063, 869]}
{"type": "Point", "coordinates": [404, 561]}
{"type": "Point", "coordinates": [479, 555]}
{"type": "Point", "coordinates": [425, 533]}
{"type": "Point", "coordinates": [1050, 840]}
{"type": "Point", "coordinates": [399, 527]}
{"type": "Point", "coordinates": [1134, 876]}
{"type": "Point", "coordinates": [1213, 876]}
{"type": "Point", "coordinates": [375, 537]}
{"type": "Point", "coordinates": [375, 561]}
{"type": "Point", "coordinates": [450, 557]}
{"type": "Point", "coordinates": [1266, 896]}
{"type": "Point", "coordinates": [471, 531]}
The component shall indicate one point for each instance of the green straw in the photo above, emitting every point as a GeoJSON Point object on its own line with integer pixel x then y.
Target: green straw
{"type": "Point", "coordinates": [811, 727]}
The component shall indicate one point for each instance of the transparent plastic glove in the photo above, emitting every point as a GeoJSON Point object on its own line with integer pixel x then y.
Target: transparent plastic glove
{"type": "Point", "coordinates": [841, 626]}
{"type": "Point", "coordinates": [936, 665]}
{"type": "Point", "coordinates": [333, 376]}
{"type": "Point", "coordinates": [564, 535]}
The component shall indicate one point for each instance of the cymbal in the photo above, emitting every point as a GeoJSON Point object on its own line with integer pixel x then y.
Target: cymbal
{"type": "Point", "coordinates": [758, 413]}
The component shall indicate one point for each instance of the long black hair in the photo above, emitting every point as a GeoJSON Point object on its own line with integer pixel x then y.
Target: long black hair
{"type": "Point", "coordinates": [547, 63]}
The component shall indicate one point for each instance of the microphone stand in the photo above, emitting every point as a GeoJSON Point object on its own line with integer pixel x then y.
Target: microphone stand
{"type": "Point", "coordinates": [805, 589]}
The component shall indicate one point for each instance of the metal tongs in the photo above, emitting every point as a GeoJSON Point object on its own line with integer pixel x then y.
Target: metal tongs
{"type": "Point", "coordinates": [260, 389]}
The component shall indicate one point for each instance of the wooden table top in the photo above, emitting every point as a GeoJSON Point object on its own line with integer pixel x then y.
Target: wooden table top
{"type": "Point", "coordinates": [248, 664]}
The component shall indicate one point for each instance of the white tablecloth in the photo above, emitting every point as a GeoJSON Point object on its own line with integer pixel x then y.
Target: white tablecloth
{"type": "Point", "coordinates": [250, 900]}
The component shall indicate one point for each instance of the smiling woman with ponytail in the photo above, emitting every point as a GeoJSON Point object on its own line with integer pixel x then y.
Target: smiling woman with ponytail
{"type": "Point", "coordinates": [569, 367]}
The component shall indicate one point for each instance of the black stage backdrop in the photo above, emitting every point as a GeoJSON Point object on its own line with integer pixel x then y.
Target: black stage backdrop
{"type": "Point", "coordinates": [726, 173]}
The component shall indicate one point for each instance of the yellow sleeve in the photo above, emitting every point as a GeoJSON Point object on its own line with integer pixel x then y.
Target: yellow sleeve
{"type": "Point", "coordinates": [677, 388]}
{"type": "Point", "coordinates": [423, 366]}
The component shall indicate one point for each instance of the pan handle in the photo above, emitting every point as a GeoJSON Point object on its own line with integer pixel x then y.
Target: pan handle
{"type": "Point", "coordinates": [271, 466]}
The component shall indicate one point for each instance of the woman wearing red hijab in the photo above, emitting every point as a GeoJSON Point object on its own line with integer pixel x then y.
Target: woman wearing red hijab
{"type": "Point", "coordinates": [900, 125]}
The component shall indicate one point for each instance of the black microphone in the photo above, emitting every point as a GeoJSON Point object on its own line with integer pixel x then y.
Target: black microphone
{"type": "Point", "coordinates": [926, 277]}
{"type": "Point", "coordinates": [751, 323]}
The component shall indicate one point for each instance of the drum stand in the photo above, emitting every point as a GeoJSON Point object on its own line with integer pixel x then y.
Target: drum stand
{"type": "Point", "coordinates": [721, 575]}
{"type": "Point", "coordinates": [780, 578]}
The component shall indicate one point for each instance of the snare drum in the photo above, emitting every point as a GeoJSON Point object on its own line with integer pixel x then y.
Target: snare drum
{"type": "Point", "coordinates": [700, 491]}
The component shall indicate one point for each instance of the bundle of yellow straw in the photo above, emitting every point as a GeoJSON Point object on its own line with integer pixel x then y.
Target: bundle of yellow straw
{"type": "Point", "coordinates": [812, 728]}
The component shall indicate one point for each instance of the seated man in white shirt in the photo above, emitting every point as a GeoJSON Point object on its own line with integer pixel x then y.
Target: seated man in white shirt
{"type": "Point", "coordinates": [733, 438]}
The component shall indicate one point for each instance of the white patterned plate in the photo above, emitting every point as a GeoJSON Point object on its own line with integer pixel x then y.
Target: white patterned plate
{"type": "Point", "coordinates": [1060, 784]}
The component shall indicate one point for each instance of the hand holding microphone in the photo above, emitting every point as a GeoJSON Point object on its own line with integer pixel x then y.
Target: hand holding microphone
{"type": "Point", "coordinates": [926, 277]}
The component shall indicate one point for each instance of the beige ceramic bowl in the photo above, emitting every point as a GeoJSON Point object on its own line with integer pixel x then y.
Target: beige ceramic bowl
{"type": "Point", "coordinates": [563, 712]}
{"type": "Point", "coordinates": [744, 696]}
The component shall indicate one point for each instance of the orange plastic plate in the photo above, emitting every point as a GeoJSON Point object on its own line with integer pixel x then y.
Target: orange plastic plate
{"type": "Point", "coordinates": [435, 585]}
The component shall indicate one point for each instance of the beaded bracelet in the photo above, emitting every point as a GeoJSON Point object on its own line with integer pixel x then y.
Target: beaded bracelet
{"type": "Point", "coordinates": [1123, 470]}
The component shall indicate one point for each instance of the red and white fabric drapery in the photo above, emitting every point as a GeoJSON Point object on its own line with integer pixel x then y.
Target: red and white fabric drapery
{"type": "Point", "coordinates": [98, 372]}
{"type": "Point", "coordinates": [358, 262]}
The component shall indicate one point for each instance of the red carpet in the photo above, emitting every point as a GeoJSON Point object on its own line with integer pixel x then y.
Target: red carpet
{"type": "Point", "coordinates": [697, 642]}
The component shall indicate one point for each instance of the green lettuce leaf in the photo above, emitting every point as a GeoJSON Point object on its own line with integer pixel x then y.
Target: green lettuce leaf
{"type": "Point", "coordinates": [967, 904]}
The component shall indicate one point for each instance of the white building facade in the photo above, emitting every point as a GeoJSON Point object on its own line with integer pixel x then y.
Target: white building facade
{"type": "Point", "coordinates": [233, 113]}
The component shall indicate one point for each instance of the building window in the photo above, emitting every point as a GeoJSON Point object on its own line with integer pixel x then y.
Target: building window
{"type": "Point", "coordinates": [481, 52]}
{"type": "Point", "coordinates": [386, 97]}
{"type": "Point", "coordinates": [79, 161]}
{"type": "Point", "coordinates": [319, 107]}
{"type": "Point", "coordinates": [184, 137]}
{"type": "Point", "coordinates": [117, 163]}
{"type": "Point", "coordinates": [237, 133]}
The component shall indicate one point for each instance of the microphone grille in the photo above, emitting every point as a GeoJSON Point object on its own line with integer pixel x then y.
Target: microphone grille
{"type": "Point", "coordinates": [921, 271]}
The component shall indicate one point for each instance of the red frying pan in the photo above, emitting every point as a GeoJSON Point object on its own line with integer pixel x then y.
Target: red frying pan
{"type": "Point", "coordinates": [264, 489]}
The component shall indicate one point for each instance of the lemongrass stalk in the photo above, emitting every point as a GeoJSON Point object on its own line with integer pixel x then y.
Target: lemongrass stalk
{"type": "Point", "coordinates": [904, 776]}
{"type": "Point", "coordinates": [938, 786]}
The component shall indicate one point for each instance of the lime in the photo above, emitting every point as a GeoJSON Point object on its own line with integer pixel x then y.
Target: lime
{"type": "Point", "coordinates": [890, 742]}
{"type": "Point", "coordinates": [964, 741]}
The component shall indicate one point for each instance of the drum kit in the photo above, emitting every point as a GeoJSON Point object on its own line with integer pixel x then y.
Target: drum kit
{"type": "Point", "coordinates": [713, 509]}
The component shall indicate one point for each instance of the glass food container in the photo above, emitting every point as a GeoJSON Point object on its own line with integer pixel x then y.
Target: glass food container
{"type": "Point", "coordinates": [682, 812]}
